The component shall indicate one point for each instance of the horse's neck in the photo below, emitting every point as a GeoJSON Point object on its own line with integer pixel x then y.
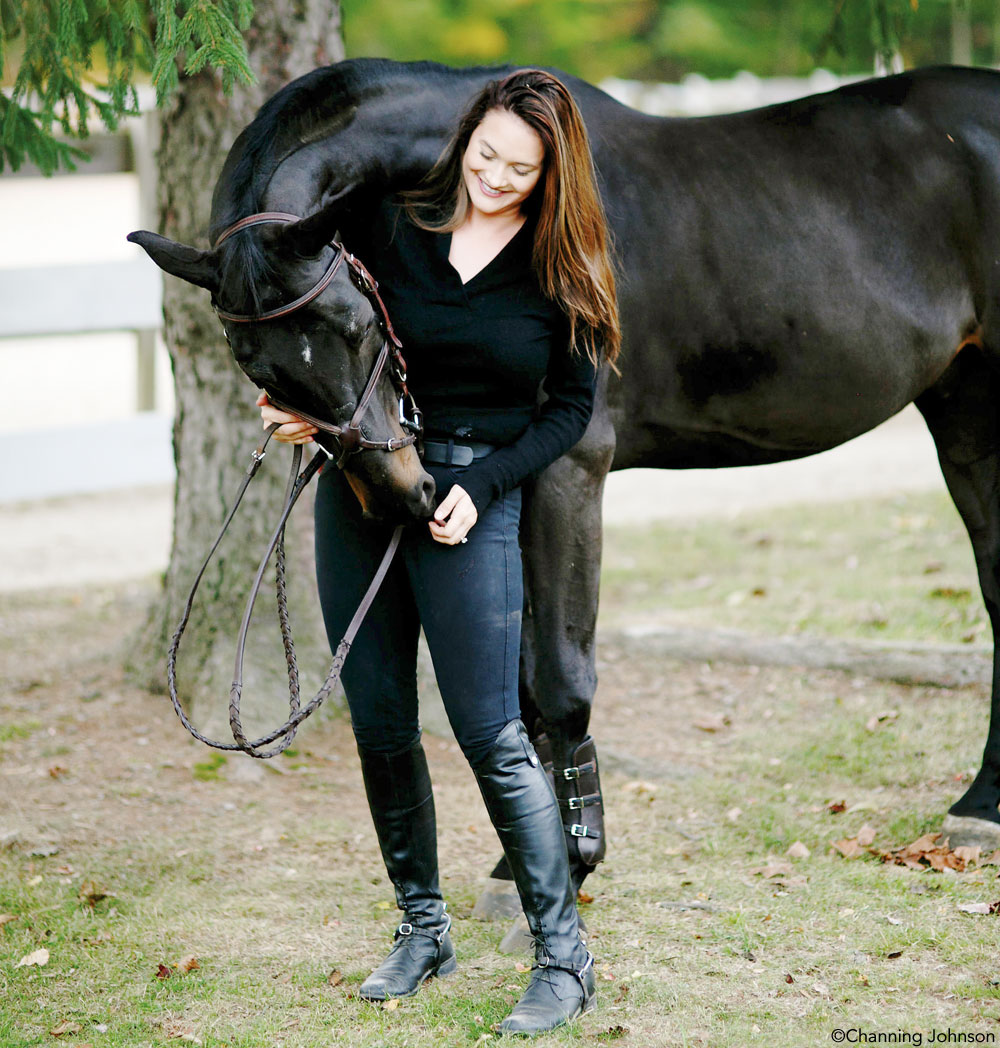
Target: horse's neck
{"type": "Point", "coordinates": [399, 122]}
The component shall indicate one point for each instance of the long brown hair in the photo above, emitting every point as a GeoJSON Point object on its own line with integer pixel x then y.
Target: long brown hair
{"type": "Point", "coordinates": [571, 253]}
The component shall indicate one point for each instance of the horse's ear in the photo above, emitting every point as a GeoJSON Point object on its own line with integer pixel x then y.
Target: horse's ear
{"type": "Point", "coordinates": [311, 234]}
{"type": "Point", "coordinates": [188, 263]}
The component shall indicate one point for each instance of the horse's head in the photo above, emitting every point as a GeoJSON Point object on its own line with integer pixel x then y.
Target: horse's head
{"type": "Point", "coordinates": [315, 357]}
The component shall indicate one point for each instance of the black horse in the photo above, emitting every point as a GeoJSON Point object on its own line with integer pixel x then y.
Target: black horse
{"type": "Point", "coordinates": [791, 277]}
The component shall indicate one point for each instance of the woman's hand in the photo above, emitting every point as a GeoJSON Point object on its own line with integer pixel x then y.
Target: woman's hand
{"type": "Point", "coordinates": [294, 430]}
{"type": "Point", "coordinates": [454, 518]}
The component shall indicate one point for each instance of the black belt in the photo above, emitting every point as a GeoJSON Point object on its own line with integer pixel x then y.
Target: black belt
{"type": "Point", "coordinates": [448, 453]}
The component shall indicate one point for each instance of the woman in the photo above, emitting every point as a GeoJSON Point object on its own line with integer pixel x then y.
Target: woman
{"type": "Point", "coordinates": [496, 274]}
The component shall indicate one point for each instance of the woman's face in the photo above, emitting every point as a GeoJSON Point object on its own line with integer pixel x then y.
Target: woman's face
{"type": "Point", "coordinates": [502, 163]}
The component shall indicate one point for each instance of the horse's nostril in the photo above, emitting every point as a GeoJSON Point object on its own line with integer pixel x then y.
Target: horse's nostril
{"type": "Point", "coordinates": [423, 497]}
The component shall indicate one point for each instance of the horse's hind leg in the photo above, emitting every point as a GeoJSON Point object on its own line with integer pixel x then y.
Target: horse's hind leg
{"type": "Point", "coordinates": [962, 411]}
{"type": "Point", "coordinates": [562, 535]}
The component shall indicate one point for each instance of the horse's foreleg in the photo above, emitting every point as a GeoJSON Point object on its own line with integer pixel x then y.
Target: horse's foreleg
{"type": "Point", "coordinates": [962, 411]}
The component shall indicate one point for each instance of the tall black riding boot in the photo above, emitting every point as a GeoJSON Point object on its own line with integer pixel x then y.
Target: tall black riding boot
{"type": "Point", "coordinates": [524, 812]}
{"type": "Point", "coordinates": [402, 806]}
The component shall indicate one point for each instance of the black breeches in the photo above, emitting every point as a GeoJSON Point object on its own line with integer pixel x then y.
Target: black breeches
{"type": "Point", "coordinates": [468, 599]}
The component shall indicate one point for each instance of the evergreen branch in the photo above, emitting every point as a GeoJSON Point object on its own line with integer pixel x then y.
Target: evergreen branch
{"type": "Point", "coordinates": [55, 86]}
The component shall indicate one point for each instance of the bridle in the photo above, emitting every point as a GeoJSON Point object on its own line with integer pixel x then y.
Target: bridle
{"type": "Point", "coordinates": [350, 440]}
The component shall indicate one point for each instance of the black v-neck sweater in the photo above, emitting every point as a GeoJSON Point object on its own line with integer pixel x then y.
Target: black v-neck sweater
{"type": "Point", "coordinates": [477, 352]}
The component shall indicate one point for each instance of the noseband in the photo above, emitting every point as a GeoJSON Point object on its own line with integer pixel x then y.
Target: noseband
{"type": "Point", "coordinates": [349, 438]}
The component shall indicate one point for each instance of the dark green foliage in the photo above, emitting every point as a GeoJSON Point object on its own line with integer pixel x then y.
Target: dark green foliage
{"type": "Point", "coordinates": [78, 59]}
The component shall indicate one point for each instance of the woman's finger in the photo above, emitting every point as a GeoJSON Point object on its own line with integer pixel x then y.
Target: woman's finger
{"type": "Point", "coordinates": [454, 517]}
{"type": "Point", "coordinates": [292, 429]}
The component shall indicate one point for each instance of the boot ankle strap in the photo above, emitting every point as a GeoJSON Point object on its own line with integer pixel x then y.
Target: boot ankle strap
{"type": "Point", "coordinates": [547, 963]}
{"type": "Point", "coordinates": [408, 928]}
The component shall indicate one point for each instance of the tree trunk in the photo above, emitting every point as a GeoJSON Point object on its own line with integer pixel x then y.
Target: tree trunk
{"type": "Point", "coordinates": [216, 424]}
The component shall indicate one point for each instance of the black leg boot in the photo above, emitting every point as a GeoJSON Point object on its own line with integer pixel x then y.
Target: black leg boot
{"type": "Point", "coordinates": [524, 812]}
{"type": "Point", "coordinates": [578, 789]}
{"type": "Point", "coordinates": [402, 806]}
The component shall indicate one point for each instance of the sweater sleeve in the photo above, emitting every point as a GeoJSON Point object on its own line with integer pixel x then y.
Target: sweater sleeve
{"type": "Point", "coordinates": [569, 384]}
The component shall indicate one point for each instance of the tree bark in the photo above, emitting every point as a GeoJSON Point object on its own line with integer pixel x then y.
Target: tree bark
{"type": "Point", "coordinates": [216, 424]}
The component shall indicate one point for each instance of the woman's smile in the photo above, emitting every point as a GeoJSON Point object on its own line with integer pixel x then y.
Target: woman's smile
{"type": "Point", "coordinates": [489, 190]}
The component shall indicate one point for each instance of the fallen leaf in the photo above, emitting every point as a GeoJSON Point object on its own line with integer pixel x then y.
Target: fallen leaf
{"type": "Point", "coordinates": [65, 1027]}
{"type": "Point", "coordinates": [583, 897]}
{"type": "Point", "coordinates": [733, 814]}
{"type": "Point", "coordinates": [162, 971]}
{"type": "Point", "coordinates": [39, 958]}
{"type": "Point", "coordinates": [57, 771]}
{"type": "Point", "coordinates": [519, 967]}
{"type": "Point", "coordinates": [931, 850]}
{"type": "Point", "coordinates": [836, 807]}
{"type": "Point", "coordinates": [921, 844]}
{"type": "Point", "coordinates": [993, 860]}
{"type": "Point", "coordinates": [974, 907]}
{"type": "Point", "coordinates": [866, 835]}
{"type": "Point", "coordinates": [639, 787]}
{"type": "Point", "coordinates": [848, 847]}
{"type": "Point", "coordinates": [880, 718]}
{"type": "Point", "coordinates": [774, 868]}
{"type": "Point", "coordinates": [335, 978]}
{"type": "Point", "coordinates": [178, 1030]}
{"type": "Point", "coordinates": [391, 1005]}
{"type": "Point", "coordinates": [6, 918]}
{"type": "Point", "coordinates": [712, 722]}
{"type": "Point", "coordinates": [187, 964]}
{"type": "Point", "coordinates": [968, 853]}
{"type": "Point", "coordinates": [797, 851]}
{"type": "Point", "coordinates": [788, 978]}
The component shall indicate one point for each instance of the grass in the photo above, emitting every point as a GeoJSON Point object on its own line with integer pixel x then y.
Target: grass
{"type": "Point", "coordinates": [271, 877]}
{"type": "Point", "coordinates": [899, 569]}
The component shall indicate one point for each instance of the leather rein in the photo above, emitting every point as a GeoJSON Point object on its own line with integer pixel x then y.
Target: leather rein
{"type": "Point", "coordinates": [350, 440]}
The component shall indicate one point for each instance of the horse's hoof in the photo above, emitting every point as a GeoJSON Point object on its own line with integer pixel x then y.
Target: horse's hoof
{"type": "Point", "coordinates": [498, 902]}
{"type": "Point", "coordinates": [965, 831]}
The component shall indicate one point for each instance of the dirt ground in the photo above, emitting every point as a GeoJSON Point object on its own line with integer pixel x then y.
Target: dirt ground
{"type": "Point", "coordinates": [97, 773]}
